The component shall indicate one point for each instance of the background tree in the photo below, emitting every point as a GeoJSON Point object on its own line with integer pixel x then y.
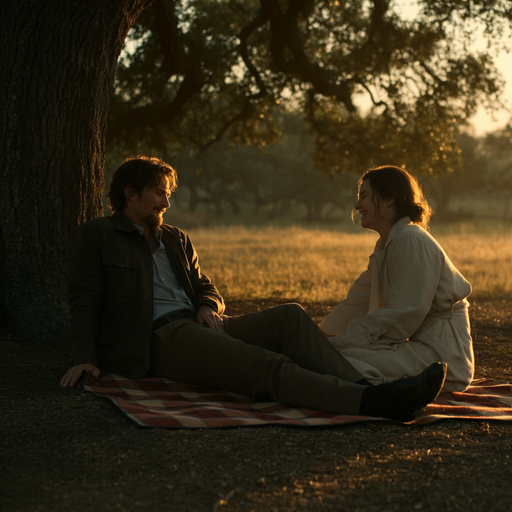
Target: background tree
{"type": "Point", "coordinates": [470, 176]}
{"type": "Point", "coordinates": [202, 70]}
{"type": "Point", "coordinates": [279, 177]}
{"type": "Point", "coordinates": [498, 150]}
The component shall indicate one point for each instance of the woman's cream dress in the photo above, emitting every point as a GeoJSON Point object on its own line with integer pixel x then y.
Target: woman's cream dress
{"type": "Point", "coordinates": [406, 311]}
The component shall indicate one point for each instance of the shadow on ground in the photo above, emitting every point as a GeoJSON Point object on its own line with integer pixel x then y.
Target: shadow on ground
{"type": "Point", "coordinates": [64, 449]}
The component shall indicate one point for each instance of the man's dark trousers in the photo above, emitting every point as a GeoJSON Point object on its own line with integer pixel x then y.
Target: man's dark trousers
{"type": "Point", "coordinates": [277, 353]}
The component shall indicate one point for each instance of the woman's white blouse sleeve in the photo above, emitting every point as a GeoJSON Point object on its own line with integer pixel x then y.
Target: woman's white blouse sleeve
{"type": "Point", "coordinates": [353, 307]}
{"type": "Point", "coordinates": [411, 274]}
{"type": "Point", "coordinates": [413, 270]}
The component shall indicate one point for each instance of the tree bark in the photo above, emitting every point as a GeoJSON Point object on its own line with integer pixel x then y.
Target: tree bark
{"type": "Point", "coordinates": [58, 60]}
{"type": "Point", "coordinates": [506, 207]}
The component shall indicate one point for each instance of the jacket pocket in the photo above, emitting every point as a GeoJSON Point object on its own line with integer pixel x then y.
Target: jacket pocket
{"type": "Point", "coordinates": [107, 339]}
{"type": "Point", "coordinates": [122, 274]}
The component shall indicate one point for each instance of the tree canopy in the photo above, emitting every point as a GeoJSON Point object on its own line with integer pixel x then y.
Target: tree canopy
{"type": "Point", "coordinates": [376, 80]}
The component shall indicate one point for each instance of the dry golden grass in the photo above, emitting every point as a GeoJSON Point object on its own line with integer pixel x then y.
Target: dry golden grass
{"type": "Point", "coordinates": [485, 260]}
{"type": "Point", "coordinates": [315, 265]}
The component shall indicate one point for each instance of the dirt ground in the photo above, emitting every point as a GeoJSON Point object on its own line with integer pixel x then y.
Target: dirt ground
{"type": "Point", "coordinates": [65, 449]}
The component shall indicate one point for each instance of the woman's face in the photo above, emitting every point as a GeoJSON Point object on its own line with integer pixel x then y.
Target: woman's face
{"type": "Point", "coordinates": [376, 213]}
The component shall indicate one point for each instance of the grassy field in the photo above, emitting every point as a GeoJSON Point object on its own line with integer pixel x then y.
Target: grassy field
{"type": "Point", "coordinates": [67, 449]}
{"type": "Point", "coordinates": [319, 265]}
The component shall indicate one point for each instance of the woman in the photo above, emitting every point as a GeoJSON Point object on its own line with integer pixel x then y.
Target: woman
{"type": "Point", "coordinates": [409, 308]}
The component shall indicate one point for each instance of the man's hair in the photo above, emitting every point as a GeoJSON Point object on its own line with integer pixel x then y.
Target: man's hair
{"type": "Point", "coordinates": [139, 172]}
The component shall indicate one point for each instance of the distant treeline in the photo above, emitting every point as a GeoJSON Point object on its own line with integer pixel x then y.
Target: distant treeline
{"type": "Point", "coordinates": [282, 177]}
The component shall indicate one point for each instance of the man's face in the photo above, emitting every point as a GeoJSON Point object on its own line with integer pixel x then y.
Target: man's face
{"type": "Point", "coordinates": [148, 207]}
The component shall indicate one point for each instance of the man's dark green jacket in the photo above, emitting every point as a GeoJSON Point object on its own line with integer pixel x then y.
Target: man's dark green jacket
{"type": "Point", "coordinates": [110, 291]}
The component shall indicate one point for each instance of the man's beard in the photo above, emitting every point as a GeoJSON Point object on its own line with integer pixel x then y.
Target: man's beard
{"type": "Point", "coordinates": [155, 220]}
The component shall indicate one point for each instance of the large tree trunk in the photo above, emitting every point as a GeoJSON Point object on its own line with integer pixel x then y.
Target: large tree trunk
{"type": "Point", "coordinates": [506, 208]}
{"type": "Point", "coordinates": [58, 62]}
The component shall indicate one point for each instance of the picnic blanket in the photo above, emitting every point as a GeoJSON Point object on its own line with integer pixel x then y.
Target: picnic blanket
{"type": "Point", "coordinates": [158, 402]}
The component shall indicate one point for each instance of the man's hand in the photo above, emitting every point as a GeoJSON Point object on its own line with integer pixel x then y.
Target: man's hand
{"type": "Point", "coordinates": [206, 315]}
{"type": "Point", "coordinates": [72, 376]}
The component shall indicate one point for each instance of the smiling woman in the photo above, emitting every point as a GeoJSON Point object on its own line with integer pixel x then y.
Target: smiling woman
{"type": "Point", "coordinates": [409, 308]}
{"type": "Point", "coordinates": [386, 194]}
{"type": "Point", "coordinates": [376, 212]}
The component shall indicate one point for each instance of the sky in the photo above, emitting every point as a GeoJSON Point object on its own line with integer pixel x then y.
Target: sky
{"type": "Point", "coordinates": [483, 122]}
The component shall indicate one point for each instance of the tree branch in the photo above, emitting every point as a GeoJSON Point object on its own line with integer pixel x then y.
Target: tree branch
{"type": "Point", "coordinates": [375, 103]}
{"type": "Point", "coordinates": [166, 33]}
{"type": "Point", "coordinates": [162, 112]}
{"type": "Point", "coordinates": [431, 73]}
{"type": "Point", "coordinates": [159, 113]}
{"type": "Point", "coordinates": [243, 114]}
{"type": "Point", "coordinates": [285, 35]}
{"type": "Point", "coordinates": [373, 43]}
{"type": "Point", "coordinates": [256, 23]}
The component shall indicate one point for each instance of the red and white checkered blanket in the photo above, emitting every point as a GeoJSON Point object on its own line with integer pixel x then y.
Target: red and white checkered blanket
{"type": "Point", "coordinates": [164, 403]}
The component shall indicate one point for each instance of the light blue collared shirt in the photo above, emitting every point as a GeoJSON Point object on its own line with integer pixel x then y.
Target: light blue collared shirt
{"type": "Point", "coordinates": [168, 294]}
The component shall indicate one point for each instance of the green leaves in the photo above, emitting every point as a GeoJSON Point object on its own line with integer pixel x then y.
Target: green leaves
{"type": "Point", "coordinates": [373, 81]}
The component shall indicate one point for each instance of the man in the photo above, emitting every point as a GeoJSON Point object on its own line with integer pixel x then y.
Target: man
{"type": "Point", "coordinates": [140, 306]}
